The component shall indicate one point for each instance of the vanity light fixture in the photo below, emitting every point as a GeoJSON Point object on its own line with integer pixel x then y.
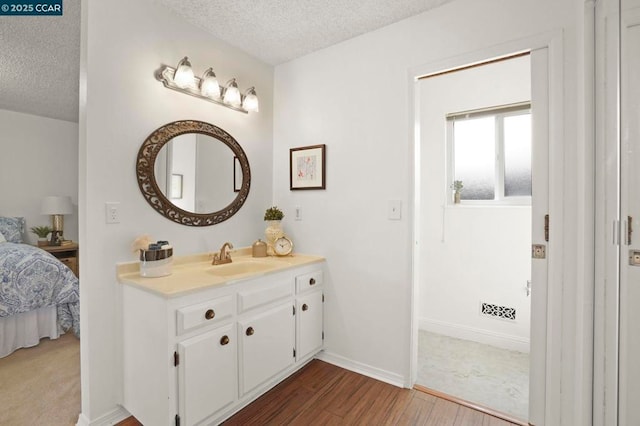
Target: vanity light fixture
{"type": "Point", "coordinates": [182, 79]}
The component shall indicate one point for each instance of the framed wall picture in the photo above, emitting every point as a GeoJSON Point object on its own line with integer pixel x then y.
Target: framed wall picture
{"type": "Point", "coordinates": [176, 186]}
{"type": "Point", "coordinates": [307, 167]}
{"type": "Point", "coordinates": [237, 175]}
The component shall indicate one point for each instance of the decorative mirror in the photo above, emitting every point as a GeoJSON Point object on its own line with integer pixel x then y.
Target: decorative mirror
{"type": "Point", "coordinates": [193, 173]}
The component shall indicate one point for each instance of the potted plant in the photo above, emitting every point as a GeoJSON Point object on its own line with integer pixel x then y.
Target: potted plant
{"type": "Point", "coordinates": [42, 232]}
{"type": "Point", "coordinates": [273, 216]}
{"type": "Point", "coordinates": [457, 187]}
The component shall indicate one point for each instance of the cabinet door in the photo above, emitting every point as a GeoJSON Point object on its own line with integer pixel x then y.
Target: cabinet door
{"type": "Point", "coordinates": [267, 344]}
{"type": "Point", "coordinates": [207, 373]}
{"type": "Point", "coordinates": [309, 312]}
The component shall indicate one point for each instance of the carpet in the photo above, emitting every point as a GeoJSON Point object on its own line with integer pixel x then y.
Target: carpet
{"type": "Point", "coordinates": [483, 374]}
{"type": "Point", "coordinates": [41, 385]}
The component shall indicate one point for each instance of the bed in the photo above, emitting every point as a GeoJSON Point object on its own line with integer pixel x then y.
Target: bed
{"type": "Point", "coordinates": [39, 295]}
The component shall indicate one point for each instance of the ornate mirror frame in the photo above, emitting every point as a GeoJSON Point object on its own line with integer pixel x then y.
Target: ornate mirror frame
{"type": "Point", "coordinates": [145, 170]}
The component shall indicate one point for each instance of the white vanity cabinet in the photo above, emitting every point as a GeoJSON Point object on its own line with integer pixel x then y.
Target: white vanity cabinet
{"type": "Point", "coordinates": [198, 357]}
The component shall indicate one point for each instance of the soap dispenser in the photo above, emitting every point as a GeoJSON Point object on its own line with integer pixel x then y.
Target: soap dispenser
{"type": "Point", "coordinates": [259, 249]}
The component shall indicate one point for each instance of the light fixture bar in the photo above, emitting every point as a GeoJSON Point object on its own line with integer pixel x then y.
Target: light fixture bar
{"type": "Point", "coordinates": [165, 75]}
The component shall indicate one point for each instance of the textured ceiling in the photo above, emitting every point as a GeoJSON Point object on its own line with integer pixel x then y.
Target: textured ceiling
{"type": "Point", "coordinates": [39, 63]}
{"type": "Point", "coordinates": [40, 56]}
{"type": "Point", "coordinates": [278, 31]}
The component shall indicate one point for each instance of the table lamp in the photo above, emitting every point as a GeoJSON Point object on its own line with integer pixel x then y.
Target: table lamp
{"type": "Point", "coordinates": [57, 207]}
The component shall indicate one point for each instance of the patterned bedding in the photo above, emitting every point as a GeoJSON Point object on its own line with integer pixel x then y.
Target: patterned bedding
{"type": "Point", "coordinates": [31, 278]}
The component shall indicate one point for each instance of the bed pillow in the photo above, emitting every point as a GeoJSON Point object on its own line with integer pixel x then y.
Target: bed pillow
{"type": "Point", "coordinates": [2, 240]}
{"type": "Point", "coordinates": [11, 228]}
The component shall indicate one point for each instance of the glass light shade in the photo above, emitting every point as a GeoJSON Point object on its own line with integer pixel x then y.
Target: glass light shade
{"type": "Point", "coordinates": [57, 205]}
{"type": "Point", "coordinates": [250, 102]}
{"type": "Point", "coordinates": [209, 85]}
{"type": "Point", "coordinates": [183, 77]}
{"type": "Point", "coordinates": [232, 94]}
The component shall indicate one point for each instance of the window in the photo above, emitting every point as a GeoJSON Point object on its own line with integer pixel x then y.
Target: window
{"type": "Point", "coordinates": [490, 152]}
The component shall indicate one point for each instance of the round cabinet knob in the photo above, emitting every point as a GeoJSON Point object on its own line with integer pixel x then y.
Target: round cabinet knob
{"type": "Point", "coordinates": [305, 307]}
{"type": "Point", "coordinates": [224, 340]}
{"type": "Point", "coordinates": [210, 314]}
{"type": "Point", "coordinates": [249, 331]}
{"type": "Point", "coordinates": [312, 281]}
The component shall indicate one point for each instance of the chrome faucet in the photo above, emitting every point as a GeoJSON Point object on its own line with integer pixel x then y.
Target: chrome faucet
{"type": "Point", "coordinates": [224, 256]}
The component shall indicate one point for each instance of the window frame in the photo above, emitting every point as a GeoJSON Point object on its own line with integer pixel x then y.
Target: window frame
{"type": "Point", "coordinates": [499, 112]}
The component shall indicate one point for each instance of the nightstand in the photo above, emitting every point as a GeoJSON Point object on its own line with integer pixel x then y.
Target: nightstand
{"type": "Point", "coordinates": [67, 254]}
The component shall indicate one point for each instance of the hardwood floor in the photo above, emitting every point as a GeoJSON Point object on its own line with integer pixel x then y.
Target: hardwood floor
{"type": "Point", "coordinates": [323, 394]}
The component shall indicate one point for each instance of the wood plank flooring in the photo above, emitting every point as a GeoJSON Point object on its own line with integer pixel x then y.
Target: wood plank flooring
{"type": "Point", "coordinates": [323, 394]}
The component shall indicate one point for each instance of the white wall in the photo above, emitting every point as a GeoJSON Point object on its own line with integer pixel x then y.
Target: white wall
{"type": "Point", "coordinates": [470, 254]}
{"type": "Point", "coordinates": [183, 162]}
{"type": "Point", "coordinates": [123, 44]}
{"type": "Point", "coordinates": [355, 97]}
{"type": "Point", "coordinates": [39, 158]}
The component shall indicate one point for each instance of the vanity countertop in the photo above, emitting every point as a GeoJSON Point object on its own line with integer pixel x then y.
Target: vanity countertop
{"type": "Point", "coordinates": [195, 272]}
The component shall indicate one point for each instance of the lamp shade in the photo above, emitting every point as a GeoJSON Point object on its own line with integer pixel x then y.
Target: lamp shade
{"type": "Point", "coordinates": [250, 102]}
{"type": "Point", "coordinates": [57, 205]}
{"type": "Point", "coordinates": [232, 94]}
{"type": "Point", "coordinates": [184, 74]}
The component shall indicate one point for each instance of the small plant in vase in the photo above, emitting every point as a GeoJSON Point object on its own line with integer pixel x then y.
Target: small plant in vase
{"type": "Point", "coordinates": [273, 216]}
{"type": "Point", "coordinates": [457, 187]}
{"type": "Point", "coordinates": [42, 232]}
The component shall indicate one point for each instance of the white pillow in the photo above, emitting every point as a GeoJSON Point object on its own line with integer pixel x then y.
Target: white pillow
{"type": "Point", "coordinates": [2, 239]}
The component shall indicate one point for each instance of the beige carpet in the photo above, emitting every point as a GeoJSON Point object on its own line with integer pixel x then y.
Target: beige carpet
{"type": "Point", "coordinates": [41, 385]}
{"type": "Point", "coordinates": [493, 377]}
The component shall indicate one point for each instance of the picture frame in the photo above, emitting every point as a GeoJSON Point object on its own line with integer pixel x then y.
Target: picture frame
{"type": "Point", "coordinates": [237, 174]}
{"type": "Point", "coordinates": [176, 186]}
{"type": "Point", "coordinates": [307, 167]}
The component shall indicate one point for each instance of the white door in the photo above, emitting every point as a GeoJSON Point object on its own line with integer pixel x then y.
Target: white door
{"type": "Point", "coordinates": [309, 309]}
{"type": "Point", "coordinates": [629, 332]}
{"type": "Point", "coordinates": [266, 345]}
{"type": "Point", "coordinates": [207, 374]}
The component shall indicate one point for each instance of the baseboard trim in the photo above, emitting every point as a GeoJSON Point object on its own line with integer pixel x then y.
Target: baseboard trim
{"type": "Point", "coordinates": [479, 335]}
{"type": "Point", "coordinates": [364, 369]}
{"type": "Point", "coordinates": [108, 419]}
{"type": "Point", "coordinates": [472, 405]}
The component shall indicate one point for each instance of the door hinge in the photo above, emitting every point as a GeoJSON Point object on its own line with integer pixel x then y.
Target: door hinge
{"type": "Point", "coordinates": [294, 352]}
{"type": "Point", "coordinates": [629, 229]}
{"type": "Point", "coordinates": [322, 297]}
{"type": "Point", "coordinates": [294, 310]}
{"type": "Point", "coordinates": [546, 227]}
{"type": "Point", "coordinates": [323, 335]}
{"type": "Point", "coordinates": [176, 359]}
{"type": "Point", "coordinates": [177, 420]}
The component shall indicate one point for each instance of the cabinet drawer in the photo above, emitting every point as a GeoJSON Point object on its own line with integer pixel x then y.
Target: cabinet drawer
{"type": "Point", "coordinates": [71, 262]}
{"type": "Point", "coordinates": [308, 281]}
{"type": "Point", "coordinates": [210, 312]}
{"type": "Point", "coordinates": [264, 295]}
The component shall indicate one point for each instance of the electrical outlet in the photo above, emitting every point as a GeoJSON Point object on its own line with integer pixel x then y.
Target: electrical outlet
{"type": "Point", "coordinates": [112, 210]}
{"type": "Point", "coordinates": [634, 257]}
{"type": "Point", "coordinates": [298, 213]}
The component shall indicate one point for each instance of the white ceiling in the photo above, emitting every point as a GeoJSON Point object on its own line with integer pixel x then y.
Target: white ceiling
{"type": "Point", "coordinates": [39, 63]}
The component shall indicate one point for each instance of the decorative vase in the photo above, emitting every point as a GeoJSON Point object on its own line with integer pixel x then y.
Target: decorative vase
{"type": "Point", "coordinates": [456, 197]}
{"type": "Point", "coordinates": [272, 233]}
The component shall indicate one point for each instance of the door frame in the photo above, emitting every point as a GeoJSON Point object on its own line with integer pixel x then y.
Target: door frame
{"type": "Point", "coordinates": [546, 406]}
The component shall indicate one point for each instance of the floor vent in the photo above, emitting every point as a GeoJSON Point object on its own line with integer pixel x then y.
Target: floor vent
{"type": "Point", "coordinates": [498, 311]}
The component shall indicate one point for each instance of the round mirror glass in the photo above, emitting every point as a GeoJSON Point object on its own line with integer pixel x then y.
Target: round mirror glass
{"type": "Point", "coordinates": [193, 173]}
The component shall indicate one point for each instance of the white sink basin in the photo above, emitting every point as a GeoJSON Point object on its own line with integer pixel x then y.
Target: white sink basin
{"type": "Point", "coordinates": [241, 268]}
